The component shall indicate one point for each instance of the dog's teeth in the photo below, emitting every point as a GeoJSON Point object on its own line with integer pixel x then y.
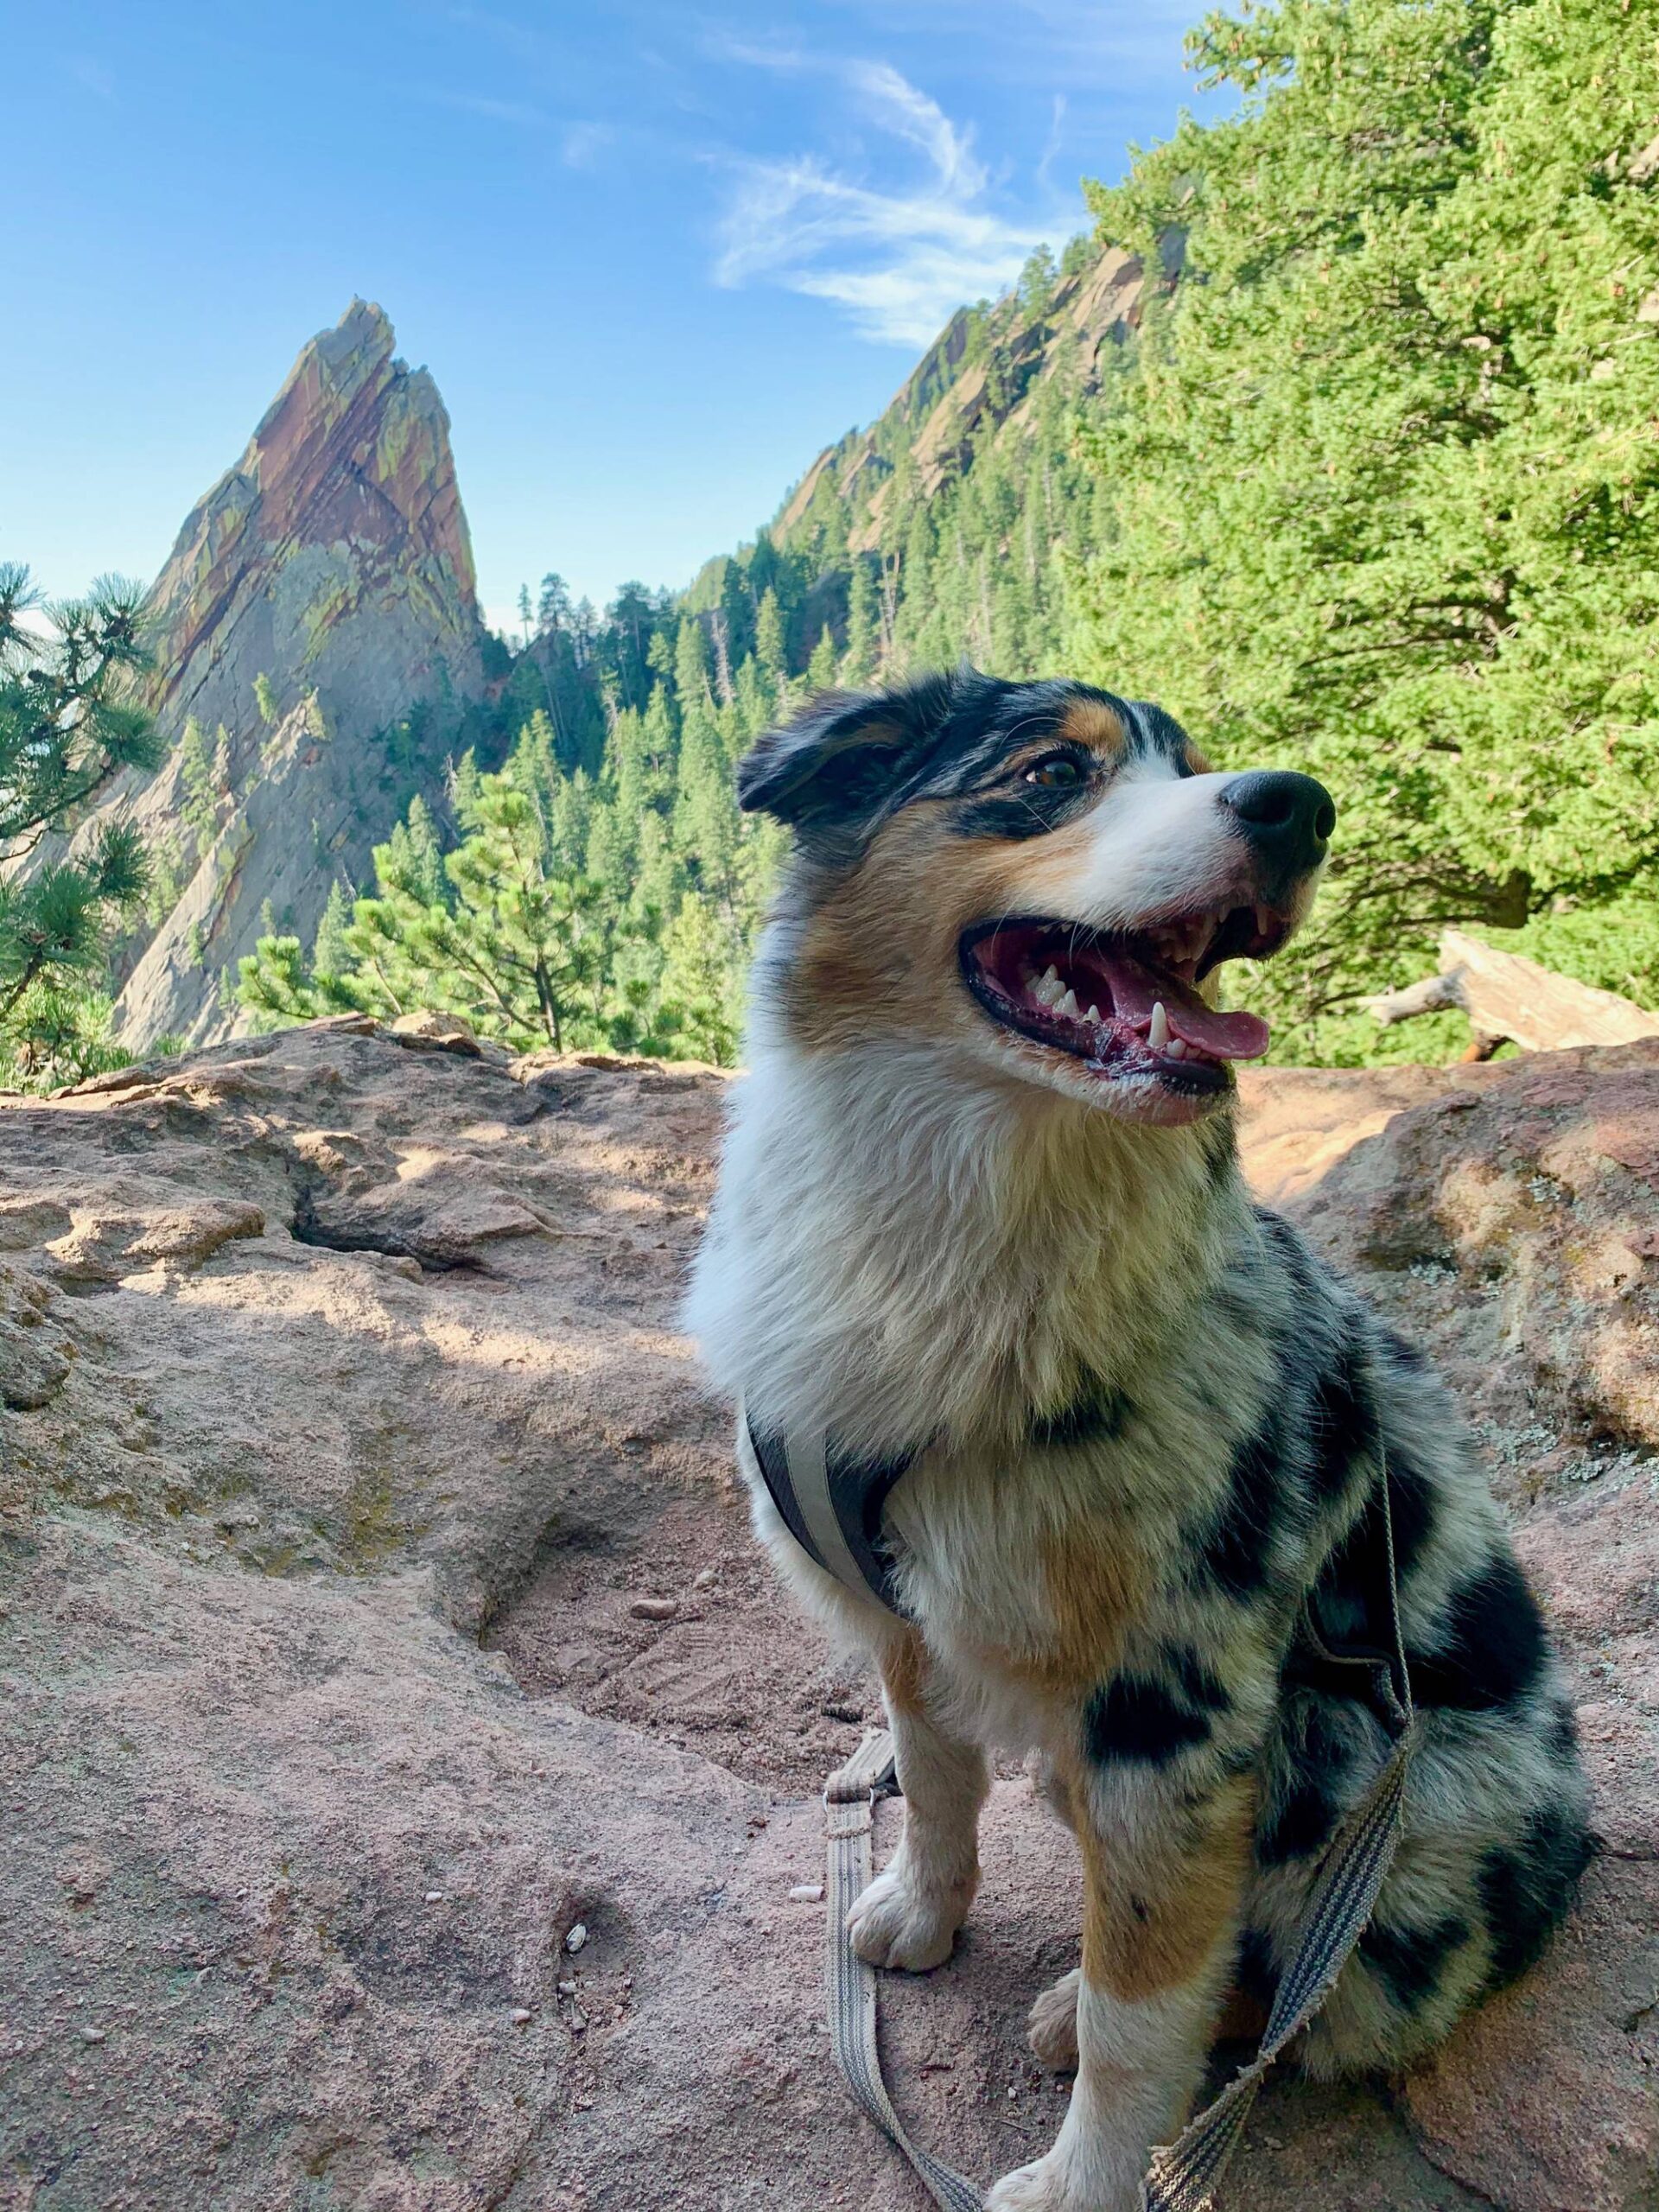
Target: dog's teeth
{"type": "Point", "coordinates": [1158, 1031]}
{"type": "Point", "coordinates": [1264, 921]}
{"type": "Point", "coordinates": [1175, 1050]}
{"type": "Point", "coordinates": [1093, 1014]}
{"type": "Point", "coordinates": [1068, 1005]}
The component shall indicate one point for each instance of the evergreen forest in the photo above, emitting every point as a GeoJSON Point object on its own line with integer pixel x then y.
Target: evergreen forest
{"type": "Point", "coordinates": [1367, 485]}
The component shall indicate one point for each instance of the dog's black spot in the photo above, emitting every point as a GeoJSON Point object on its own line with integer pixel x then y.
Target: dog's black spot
{"type": "Point", "coordinates": [1236, 1553]}
{"type": "Point", "coordinates": [1409, 1961]}
{"type": "Point", "coordinates": [1198, 1686]}
{"type": "Point", "coordinates": [1518, 1932]}
{"type": "Point", "coordinates": [1255, 1971]}
{"type": "Point", "coordinates": [1242, 1293]}
{"type": "Point", "coordinates": [1220, 1143]}
{"type": "Point", "coordinates": [1300, 1825]}
{"type": "Point", "coordinates": [1097, 1414]}
{"type": "Point", "coordinates": [1497, 1647]}
{"type": "Point", "coordinates": [1301, 1822]}
{"type": "Point", "coordinates": [1351, 1592]}
{"type": "Point", "coordinates": [1289, 1246]}
{"type": "Point", "coordinates": [1135, 1721]}
{"type": "Point", "coordinates": [1030, 812]}
{"type": "Point", "coordinates": [1304, 1819]}
{"type": "Point", "coordinates": [1525, 1888]}
{"type": "Point", "coordinates": [1341, 1422]}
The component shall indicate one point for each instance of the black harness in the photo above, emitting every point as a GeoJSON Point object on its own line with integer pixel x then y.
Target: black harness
{"type": "Point", "coordinates": [831, 1503]}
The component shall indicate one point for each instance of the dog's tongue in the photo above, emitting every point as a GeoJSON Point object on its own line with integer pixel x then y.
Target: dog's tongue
{"type": "Point", "coordinates": [1136, 990]}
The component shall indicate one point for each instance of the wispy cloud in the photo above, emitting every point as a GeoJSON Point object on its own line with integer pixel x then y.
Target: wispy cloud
{"type": "Point", "coordinates": [1052, 144]}
{"type": "Point", "coordinates": [898, 260]}
{"type": "Point", "coordinates": [581, 143]}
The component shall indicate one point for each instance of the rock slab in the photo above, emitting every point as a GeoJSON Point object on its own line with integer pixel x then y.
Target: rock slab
{"type": "Point", "coordinates": [377, 1609]}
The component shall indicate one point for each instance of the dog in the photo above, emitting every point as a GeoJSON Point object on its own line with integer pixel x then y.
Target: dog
{"type": "Point", "coordinates": [981, 1232]}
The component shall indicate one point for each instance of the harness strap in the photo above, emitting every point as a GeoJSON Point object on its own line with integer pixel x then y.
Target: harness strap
{"type": "Point", "coordinates": [1184, 2175]}
{"type": "Point", "coordinates": [831, 1503]}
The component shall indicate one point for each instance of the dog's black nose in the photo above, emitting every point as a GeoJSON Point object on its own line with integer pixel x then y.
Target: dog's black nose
{"type": "Point", "coordinates": [1288, 819]}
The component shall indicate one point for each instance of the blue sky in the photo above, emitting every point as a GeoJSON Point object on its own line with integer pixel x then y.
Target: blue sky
{"type": "Point", "coordinates": [655, 256]}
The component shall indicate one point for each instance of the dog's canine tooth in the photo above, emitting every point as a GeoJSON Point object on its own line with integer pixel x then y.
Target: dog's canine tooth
{"type": "Point", "coordinates": [1158, 1031]}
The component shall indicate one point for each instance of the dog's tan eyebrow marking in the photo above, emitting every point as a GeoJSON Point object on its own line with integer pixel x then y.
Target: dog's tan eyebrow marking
{"type": "Point", "coordinates": [1091, 722]}
{"type": "Point", "coordinates": [1197, 762]}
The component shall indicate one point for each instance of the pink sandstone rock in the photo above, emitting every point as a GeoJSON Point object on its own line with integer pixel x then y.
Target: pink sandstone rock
{"type": "Point", "coordinates": [338, 1684]}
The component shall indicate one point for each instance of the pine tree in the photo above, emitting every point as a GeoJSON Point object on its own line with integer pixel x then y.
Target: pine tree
{"type": "Point", "coordinates": [69, 724]}
{"type": "Point", "coordinates": [691, 666]}
{"type": "Point", "coordinates": [330, 950]}
{"type": "Point", "coordinates": [1382, 486]}
{"type": "Point", "coordinates": [199, 812]}
{"type": "Point", "coordinates": [821, 668]}
{"type": "Point", "coordinates": [859, 661]}
{"type": "Point", "coordinates": [411, 860]}
{"type": "Point", "coordinates": [769, 637]}
{"type": "Point", "coordinates": [696, 1017]}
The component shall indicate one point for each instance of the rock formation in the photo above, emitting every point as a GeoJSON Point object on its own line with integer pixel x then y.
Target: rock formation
{"type": "Point", "coordinates": [947, 400]}
{"type": "Point", "coordinates": [321, 592]}
{"type": "Point", "coordinates": [409, 1770]}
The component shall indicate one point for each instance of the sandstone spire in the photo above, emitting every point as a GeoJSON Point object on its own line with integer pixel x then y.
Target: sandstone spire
{"type": "Point", "coordinates": [321, 591]}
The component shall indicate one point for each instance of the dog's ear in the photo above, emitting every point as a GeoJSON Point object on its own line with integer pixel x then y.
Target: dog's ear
{"type": "Point", "coordinates": [846, 758]}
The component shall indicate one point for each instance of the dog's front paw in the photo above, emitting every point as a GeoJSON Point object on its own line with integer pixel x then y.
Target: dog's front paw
{"type": "Point", "coordinates": [1038, 2188]}
{"type": "Point", "coordinates": [1052, 2025]}
{"type": "Point", "coordinates": [898, 1923]}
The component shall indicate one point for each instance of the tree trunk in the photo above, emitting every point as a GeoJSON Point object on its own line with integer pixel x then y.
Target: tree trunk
{"type": "Point", "coordinates": [1507, 996]}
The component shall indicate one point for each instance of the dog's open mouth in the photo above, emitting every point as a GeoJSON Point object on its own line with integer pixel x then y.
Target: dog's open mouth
{"type": "Point", "coordinates": [1126, 1005]}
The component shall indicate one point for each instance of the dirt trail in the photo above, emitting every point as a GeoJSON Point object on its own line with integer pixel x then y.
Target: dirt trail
{"type": "Point", "coordinates": [377, 1611]}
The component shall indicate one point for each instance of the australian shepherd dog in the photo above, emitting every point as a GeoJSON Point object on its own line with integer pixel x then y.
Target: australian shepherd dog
{"type": "Point", "coordinates": [981, 1233]}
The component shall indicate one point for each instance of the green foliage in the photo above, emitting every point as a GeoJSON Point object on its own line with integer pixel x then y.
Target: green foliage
{"type": "Point", "coordinates": [1384, 487]}
{"type": "Point", "coordinates": [199, 812]}
{"type": "Point", "coordinates": [265, 698]}
{"type": "Point", "coordinates": [69, 724]}
{"type": "Point", "coordinates": [1373, 491]}
{"type": "Point", "coordinates": [331, 953]}
{"type": "Point", "coordinates": [614, 908]}
{"type": "Point", "coordinates": [973, 554]}
{"type": "Point", "coordinates": [59, 1031]}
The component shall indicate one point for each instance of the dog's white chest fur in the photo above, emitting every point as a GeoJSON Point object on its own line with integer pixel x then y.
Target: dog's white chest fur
{"type": "Point", "coordinates": [912, 1264]}
{"type": "Point", "coordinates": [895, 1253]}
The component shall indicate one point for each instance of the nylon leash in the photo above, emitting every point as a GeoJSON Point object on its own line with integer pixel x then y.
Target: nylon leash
{"type": "Point", "coordinates": [1184, 2175]}
{"type": "Point", "coordinates": [850, 1798]}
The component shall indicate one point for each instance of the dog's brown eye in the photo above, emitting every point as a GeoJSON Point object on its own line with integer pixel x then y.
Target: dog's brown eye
{"type": "Point", "coordinates": [1056, 771]}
